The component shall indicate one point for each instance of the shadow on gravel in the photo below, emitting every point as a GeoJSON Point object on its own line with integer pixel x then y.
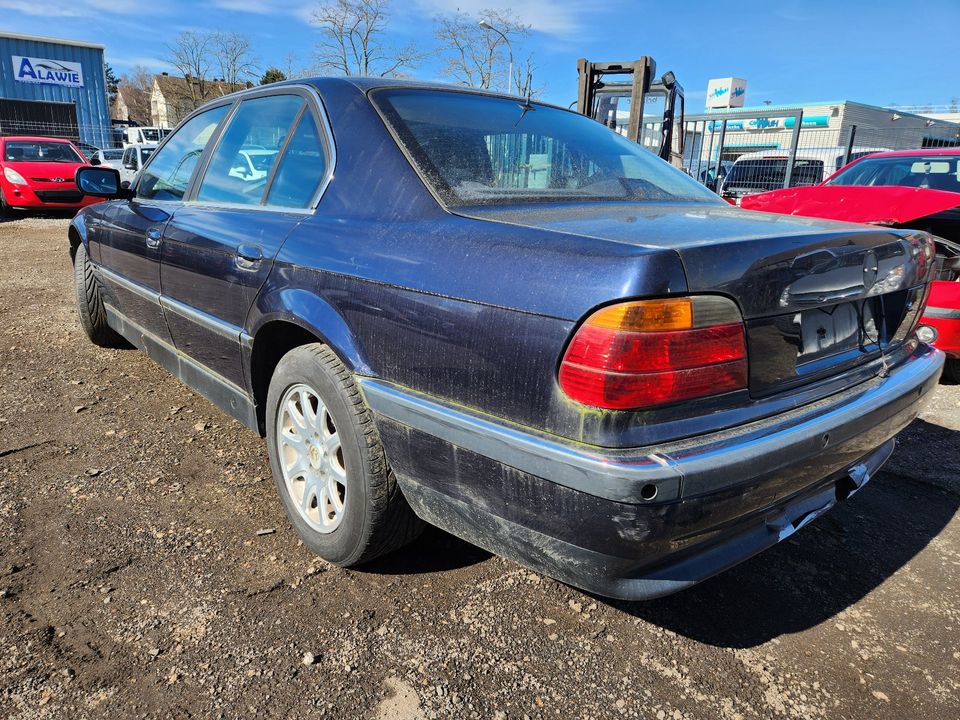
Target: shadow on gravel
{"type": "Point", "coordinates": [434, 551]}
{"type": "Point", "coordinates": [821, 570]}
{"type": "Point", "coordinates": [54, 214]}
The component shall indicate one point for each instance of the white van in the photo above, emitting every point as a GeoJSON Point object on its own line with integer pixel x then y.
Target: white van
{"type": "Point", "coordinates": [758, 172]}
{"type": "Point", "coordinates": [134, 156]}
{"type": "Point", "coordinates": [144, 135]}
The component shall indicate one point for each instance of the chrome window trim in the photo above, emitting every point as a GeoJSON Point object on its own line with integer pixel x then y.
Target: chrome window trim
{"type": "Point", "coordinates": [315, 103]}
{"type": "Point", "coordinates": [135, 186]}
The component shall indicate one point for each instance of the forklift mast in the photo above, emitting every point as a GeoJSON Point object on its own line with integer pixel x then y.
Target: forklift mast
{"type": "Point", "coordinates": [604, 86]}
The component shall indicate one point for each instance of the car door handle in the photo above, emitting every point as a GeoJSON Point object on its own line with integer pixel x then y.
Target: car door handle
{"type": "Point", "coordinates": [249, 257]}
{"type": "Point", "coordinates": [153, 238]}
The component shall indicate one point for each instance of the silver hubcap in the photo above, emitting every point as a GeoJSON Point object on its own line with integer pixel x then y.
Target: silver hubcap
{"type": "Point", "coordinates": [311, 458]}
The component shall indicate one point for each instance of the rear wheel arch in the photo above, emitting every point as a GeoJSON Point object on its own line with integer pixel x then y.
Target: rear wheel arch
{"type": "Point", "coordinates": [277, 336]}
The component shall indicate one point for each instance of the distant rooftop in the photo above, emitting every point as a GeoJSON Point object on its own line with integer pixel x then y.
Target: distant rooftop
{"type": "Point", "coordinates": [915, 111]}
{"type": "Point", "coordinates": [51, 40]}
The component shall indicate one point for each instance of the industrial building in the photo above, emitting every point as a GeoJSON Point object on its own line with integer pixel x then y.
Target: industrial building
{"type": "Point", "coordinates": [729, 133]}
{"type": "Point", "coordinates": [54, 87]}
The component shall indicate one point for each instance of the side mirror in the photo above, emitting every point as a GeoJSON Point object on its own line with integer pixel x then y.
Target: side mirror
{"type": "Point", "coordinates": [94, 161]}
{"type": "Point", "coordinates": [101, 182]}
{"type": "Point", "coordinates": [130, 166]}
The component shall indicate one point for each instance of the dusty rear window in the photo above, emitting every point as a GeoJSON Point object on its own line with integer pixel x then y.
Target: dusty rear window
{"type": "Point", "coordinates": [480, 150]}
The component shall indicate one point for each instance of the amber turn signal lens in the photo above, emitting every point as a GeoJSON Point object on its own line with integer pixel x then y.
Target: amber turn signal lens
{"type": "Point", "coordinates": [647, 315]}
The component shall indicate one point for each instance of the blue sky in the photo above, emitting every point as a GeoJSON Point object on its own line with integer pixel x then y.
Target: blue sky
{"type": "Point", "coordinates": [875, 52]}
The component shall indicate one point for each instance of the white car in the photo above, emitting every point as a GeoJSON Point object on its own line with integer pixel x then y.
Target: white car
{"type": "Point", "coordinates": [108, 157]}
{"type": "Point", "coordinates": [250, 164]}
{"type": "Point", "coordinates": [134, 156]}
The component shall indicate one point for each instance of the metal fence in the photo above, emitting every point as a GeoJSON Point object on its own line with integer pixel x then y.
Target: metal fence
{"type": "Point", "coordinates": [740, 153]}
{"type": "Point", "coordinates": [109, 136]}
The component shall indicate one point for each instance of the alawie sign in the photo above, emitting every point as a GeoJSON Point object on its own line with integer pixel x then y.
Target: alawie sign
{"type": "Point", "coordinates": [47, 72]}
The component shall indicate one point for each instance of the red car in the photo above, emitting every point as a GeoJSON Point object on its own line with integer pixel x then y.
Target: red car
{"type": "Point", "coordinates": [37, 172]}
{"type": "Point", "coordinates": [917, 189]}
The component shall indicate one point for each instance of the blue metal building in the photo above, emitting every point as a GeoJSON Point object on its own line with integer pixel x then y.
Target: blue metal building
{"type": "Point", "coordinates": [55, 87]}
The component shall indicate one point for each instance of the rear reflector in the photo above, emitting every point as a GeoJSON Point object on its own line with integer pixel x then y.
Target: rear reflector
{"type": "Point", "coordinates": [653, 352]}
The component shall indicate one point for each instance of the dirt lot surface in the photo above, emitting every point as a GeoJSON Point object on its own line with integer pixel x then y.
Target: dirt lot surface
{"type": "Point", "coordinates": [147, 570]}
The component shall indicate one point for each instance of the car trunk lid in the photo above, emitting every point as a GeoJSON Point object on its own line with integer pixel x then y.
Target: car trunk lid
{"type": "Point", "coordinates": [818, 297]}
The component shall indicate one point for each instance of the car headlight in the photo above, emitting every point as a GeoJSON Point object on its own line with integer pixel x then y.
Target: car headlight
{"type": "Point", "coordinates": [13, 176]}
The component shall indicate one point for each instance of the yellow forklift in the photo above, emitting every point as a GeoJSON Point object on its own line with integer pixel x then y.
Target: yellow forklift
{"type": "Point", "coordinates": [625, 97]}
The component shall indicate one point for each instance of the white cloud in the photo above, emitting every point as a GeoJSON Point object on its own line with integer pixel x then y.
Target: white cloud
{"type": "Point", "coordinates": [302, 9]}
{"type": "Point", "coordinates": [552, 17]}
{"type": "Point", "coordinates": [84, 8]}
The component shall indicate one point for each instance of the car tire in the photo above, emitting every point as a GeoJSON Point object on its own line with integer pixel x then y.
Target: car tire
{"type": "Point", "coordinates": [329, 466]}
{"type": "Point", "coordinates": [93, 316]}
{"type": "Point", "coordinates": [4, 208]}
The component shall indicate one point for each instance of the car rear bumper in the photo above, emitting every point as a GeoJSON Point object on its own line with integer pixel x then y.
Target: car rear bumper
{"type": "Point", "coordinates": [646, 522]}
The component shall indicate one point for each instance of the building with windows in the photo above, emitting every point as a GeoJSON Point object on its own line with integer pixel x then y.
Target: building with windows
{"type": "Point", "coordinates": [173, 98]}
{"type": "Point", "coordinates": [51, 86]}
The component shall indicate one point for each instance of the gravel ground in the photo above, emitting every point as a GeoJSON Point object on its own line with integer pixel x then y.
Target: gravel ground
{"type": "Point", "coordinates": [147, 570]}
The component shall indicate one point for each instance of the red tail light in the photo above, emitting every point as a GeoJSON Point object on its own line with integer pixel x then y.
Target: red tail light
{"type": "Point", "coordinates": [654, 352]}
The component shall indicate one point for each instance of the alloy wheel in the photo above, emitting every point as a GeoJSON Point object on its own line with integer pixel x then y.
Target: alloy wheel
{"type": "Point", "coordinates": [311, 458]}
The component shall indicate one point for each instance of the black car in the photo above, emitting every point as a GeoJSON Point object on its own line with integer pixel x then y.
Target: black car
{"type": "Point", "coordinates": [504, 319]}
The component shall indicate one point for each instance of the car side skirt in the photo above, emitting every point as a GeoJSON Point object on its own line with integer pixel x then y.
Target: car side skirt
{"type": "Point", "coordinates": [230, 398]}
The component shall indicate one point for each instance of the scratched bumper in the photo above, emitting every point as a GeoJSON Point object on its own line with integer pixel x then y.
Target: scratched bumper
{"type": "Point", "coordinates": [643, 523]}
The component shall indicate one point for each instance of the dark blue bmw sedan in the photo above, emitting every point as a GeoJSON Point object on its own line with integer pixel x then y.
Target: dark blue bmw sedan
{"type": "Point", "coordinates": [501, 318]}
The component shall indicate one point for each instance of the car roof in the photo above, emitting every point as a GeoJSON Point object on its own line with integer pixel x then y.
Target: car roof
{"type": "Point", "coordinates": [34, 138]}
{"type": "Point", "coordinates": [917, 152]}
{"type": "Point", "coordinates": [365, 84]}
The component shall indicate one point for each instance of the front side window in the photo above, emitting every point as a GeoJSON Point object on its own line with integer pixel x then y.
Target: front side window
{"type": "Point", "coordinates": [241, 165]}
{"type": "Point", "coordinates": [168, 175]}
{"type": "Point", "coordinates": [40, 151]}
{"type": "Point", "coordinates": [476, 149]}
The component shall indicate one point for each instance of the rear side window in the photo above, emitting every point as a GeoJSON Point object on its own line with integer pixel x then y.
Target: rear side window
{"type": "Point", "coordinates": [243, 161]}
{"type": "Point", "coordinates": [168, 175]}
{"type": "Point", "coordinates": [302, 167]}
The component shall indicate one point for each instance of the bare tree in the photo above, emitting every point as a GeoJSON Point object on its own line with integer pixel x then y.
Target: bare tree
{"type": "Point", "coordinates": [136, 88]}
{"type": "Point", "coordinates": [523, 79]}
{"type": "Point", "coordinates": [191, 55]}
{"type": "Point", "coordinates": [353, 39]}
{"type": "Point", "coordinates": [233, 55]}
{"type": "Point", "coordinates": [293, 69]}
{"type": "Point", "coordinates": [480, 56]}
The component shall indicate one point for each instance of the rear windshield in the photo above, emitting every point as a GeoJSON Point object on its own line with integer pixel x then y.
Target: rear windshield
{"type": "Point", "coordinates": [936, 172]}
{"type": "Point", "coordinates": [769, 173]}
{"type": "Point", "coordinates": [40, 151]}
{"type": "Point", "coordinates": [481, 150]}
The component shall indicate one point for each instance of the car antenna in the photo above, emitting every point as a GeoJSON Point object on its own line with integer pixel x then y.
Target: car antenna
{"type": "Point", "coordinates": [525, 107]}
